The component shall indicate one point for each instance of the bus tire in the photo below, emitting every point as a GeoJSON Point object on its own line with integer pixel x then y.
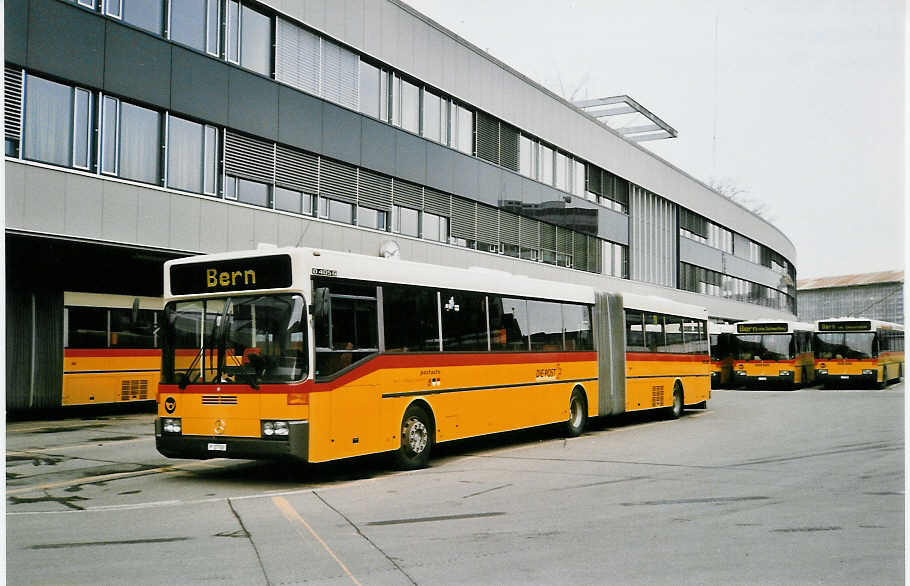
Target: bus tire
{"type": "Point", "coordinates": [578, 413]}
{"type": "Point", "coordinates": [675, 410]}
{"type": "Point", "coordinates": [416, 439]}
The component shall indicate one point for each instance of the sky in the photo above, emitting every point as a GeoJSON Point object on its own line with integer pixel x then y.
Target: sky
{"type": "Point", "coordinates": [799, 104]}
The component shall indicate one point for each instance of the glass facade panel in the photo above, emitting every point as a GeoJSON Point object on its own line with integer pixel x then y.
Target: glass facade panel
{"type": "Point", "coordinates": [435, 227]}
{"type": "Point", "coordinates": [188, 22]}
{"type": "Point", "coordinates": [146, 14]}
{"type": "Point", "coordinates": [140, 144]}
{"type": "Point", "coordinates": [48, 121]}
{"type": "Point", "coordinates": [82, 125]}
{"type": "Point", "coordinates": [252, 192]}
{"type": "Point", "coordinates": [185, 155]}
{"type": "Point", "coordinates": [370, 86]}
{"type": "Point", "coordinates": [210, 163]}
{"type": "Point", "coordinates": [410, 107]}
{"type": "Point", "coordinates": [578, 184]}
{"type": "Point", "coordinates": [255, 41]}
{"type": "Point", "coordinates": [109, 132]}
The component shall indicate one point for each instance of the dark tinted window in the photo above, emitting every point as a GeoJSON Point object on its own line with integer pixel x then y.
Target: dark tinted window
{"type": "Point", "coordinates": [86, 327]}
{"type": "Point", "coordinates": [654, 332]}
{"type": "Point", "coordinates": [508, 323]}
{"type": "Point", "coordinates": [346, 324]}
{"type": "Point", "coordinates": [410, 319]}
{"type": "Point", "coordinates": [576, 321]}
{"type": "Point", "coordinates": [673, 329]}
{"type": "Point", "coordinates": [545, 326]}
{"type": "Point", "coordinates": [125, 333]}
{"type": "Point", "coordinates": [464, 321]}
{"type": "Point", "coordinates": [635, 337]}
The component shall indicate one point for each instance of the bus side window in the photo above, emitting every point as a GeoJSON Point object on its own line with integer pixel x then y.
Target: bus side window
{"type": "Point", "coordinates": [635, 336]}
{"type": "Point", "coordinates": [545, 326]}
{"type": "Point", "coordinates": [654, 332]}
{"type": "Point", "coordinates": [576, 320]}
{"type": "Point", "coordinates": [674, 334]}
{"type": "Point", "coordinates": [86, 327]}
{"type": "Point", "coordinates": [464, 321]}
{"type": "Point", "coordinates": [351, 331]}
{"type": "Point", "coordinates": [410, 319]}
{"type": "Point", "coordinates": [509, 325]}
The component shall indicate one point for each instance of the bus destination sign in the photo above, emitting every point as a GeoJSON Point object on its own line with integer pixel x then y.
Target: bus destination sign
{"type": "Point", "coordinates": [239, 274]}
{"type": "Point", "coordinates": [770, 328]}
{"type": "Point", "coordinates": [845, 326]}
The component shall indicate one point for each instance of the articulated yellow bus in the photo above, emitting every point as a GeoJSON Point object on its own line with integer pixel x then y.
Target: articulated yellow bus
{"type": "Point", "coordinates": [111, 350]}
{"type": "Point", "coordinates": [774, 353]}
{"type": "Point", "coordinates": [852, 350]}
{"type": "Point", "coordinates": [319, 355]}
{"type": "Point", "coordinates": [722, 338]}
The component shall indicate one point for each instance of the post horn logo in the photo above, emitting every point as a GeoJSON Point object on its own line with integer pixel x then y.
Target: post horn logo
{"type": "Point", "coordinates": [219, 426]}
{"type": "Point", "coordinates": [170, 404]}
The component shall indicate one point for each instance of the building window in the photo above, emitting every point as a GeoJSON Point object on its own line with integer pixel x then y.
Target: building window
{"type": "Point", "coordinates": [408, 102]}
{"type": "Point", "coordinates": [232, 27]}
{"type": "Point", "coordinates": [371, 90]}
{"type": "Point", "coordinates": [405, 221]}
{"type": "Point", "coordinates": [461, 132]}
{"type": "Point", "coordinates": [545, 165]}
{"type": "Point", "coordinates": [370, 218]}
{"type": "Point", "coordinates": [527, 155]}
{"type": "Point", "coordinates": [145, 14]}
{"type": "Point", "coordinates": [578, 185]}
{"type": "Point", "coordinates": [191, 149]}
{"type": "Point", "coordinates": [131, 140]}
{"type": "Point", "coordinates": [615, 260]}
{"type": "Point", "coordinates": [338, 211]}
{"type": "Point", "coordinates": [434, 117]}
{"type": "Point", "coordinates": [562, 171]}
{"type": "Point", "coordinates": [48, 121]}
{"type": "Point", "coordinates": [289, 200]}
{"type": "Point", "coordinates": [255, 41]}
{"type": "Point", "coordinates": [435, 227]}
{"type": "Point", "coordinates": [82, 129]}
{"type": "Point", "coordinates": [196, 23]}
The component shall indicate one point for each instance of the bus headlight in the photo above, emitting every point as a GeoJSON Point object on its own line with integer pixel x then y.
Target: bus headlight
{"type": "Point", "coordinates": [171, 425]}
{"type": "Point", "coordinates": [823, 372]}
{"type": "Point", "coordinates": [275, 429]}
{"type": "Point", "coordinates": [785, 373]}
{"type": "Point", "coordinates": [741, 373]}
{"type": "Point", "coordinates": [867, 371]}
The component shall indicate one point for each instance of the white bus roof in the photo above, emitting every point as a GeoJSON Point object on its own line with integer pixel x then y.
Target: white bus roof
{"type": "Point", "coordinates": [875, 324]}
{"type": "Point", "coordinates": [76, 299]}
{"type": "Point", "coordinates": [374, 268]}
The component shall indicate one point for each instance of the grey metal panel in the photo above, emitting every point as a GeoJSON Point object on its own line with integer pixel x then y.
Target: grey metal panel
{"type": "Point", "coordinates": [466, 179]}
{"type": "Point", "coordinates": [185, 222]}
{"type": "Point", "coordinates": [440, 167]}
{"type": "Point", "coordinates": [613, 226]}
{"type": "Point", "coordinates": [420, 49]}
{"type": "Point", "coordinates": [154, 216]}
{"type": "Point", "coordinates": [372, 36]}
{"type": "Point", "coordinates": [404, 48]}
{"type": "Point", "coordinates": [531, 191]}
{"type": "Point", "coordinates": [241, 228]}
{"type": "Point", "coordinates": [199, 86]}
{"type": "Point", "coordinates": [299, 119]}
{"type": "Point", "coordinates": [354, 23]}
{"type": "Point", "coordinates": [19, 331]}
{"type": "Point", "coordinates": [378, 145]}
{"type": "Point", "coordinates": [700, 254]}
{"type": "Point", "coordinates": [314, 11]}
{"type": "Point", "coordinates": [67, 41]}
{"type": "Point", "coordinates": [15, 194]}
{"type": "Point", "coordinates": [489, 181]}
{"type": "Point", "coordinates": [214, 238]}
{"type": "Point", "coordinates": [609, 338]}
{"type": "Point", "coordinates": [83, 203]}
{"type": "Point", "coordinates": [341, 134]}
{"type": "Point", "coordinates": [743, 269]}
{"type": "Point", "coordinates": [334, 18]}
{"type": "Point", "coordinates": [120, 211]}
{"type": "Point", "coordinates": [411, 157]}
{"type": "Point", "coordinates": [15, 31]}
{"type": "Point", "coordinates": [511, 186]}
{"type": "Point", "coordinates": [389, 28]}
{"type": "Point", "coordinates": [253, 104]}
{"type": "Point", "coordinates": [137, 65]}
{"type": "Point", "coordinates": [290, 230]}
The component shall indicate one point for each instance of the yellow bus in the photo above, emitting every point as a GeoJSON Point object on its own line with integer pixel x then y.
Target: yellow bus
{"type": "Point", "coordinates": [859, 351]}
{"type": "Point", "coordinates": [774, 353]}
{"type": "Point", "coordinates": [320, 355]}
{"type": "Point", "coordinates": [722, 338]}
{"type": "Point", "coordinates": [111, 349]}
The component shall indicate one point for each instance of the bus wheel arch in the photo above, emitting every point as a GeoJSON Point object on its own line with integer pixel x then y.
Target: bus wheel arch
{"type": "Point", "coordinates": [578, 412]}
{"type": "Point", "coordinates": [418, 434]}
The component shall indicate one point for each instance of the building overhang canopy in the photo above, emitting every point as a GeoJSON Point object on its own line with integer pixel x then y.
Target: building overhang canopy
{"type": "Point", "coordinates": [630, 119]}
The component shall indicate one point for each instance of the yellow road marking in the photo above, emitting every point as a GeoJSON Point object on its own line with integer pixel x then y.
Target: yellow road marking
{"type": "Point", "coordinates": [292, 515]}
{"type": "Point", "coordinates": [106, 477]}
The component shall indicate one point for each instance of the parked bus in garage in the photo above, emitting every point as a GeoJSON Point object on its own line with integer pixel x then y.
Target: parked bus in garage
{"type": "Point", "coordinates": [111, 348]}
{"type": "Point", "coordinates": [722, 338]}
{"type": "Point", "coordinates": [320, 355]}
{"type": "Point", "coordinates": [774, 353]}
{"type": "Point", "coordinates": [852, 350]}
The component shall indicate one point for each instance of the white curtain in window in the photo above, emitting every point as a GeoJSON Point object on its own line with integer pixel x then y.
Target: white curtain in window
{"type": "Point", "coordinates": [184, 155]}
{"type": "Point", "coordinates": [139, 143]}
{"type": "Point", "coordinates": [340, 75]}
{"type": "Point", "coordinates": [48, 121]}
{"type": "Point", "coordinates": [298, 57]}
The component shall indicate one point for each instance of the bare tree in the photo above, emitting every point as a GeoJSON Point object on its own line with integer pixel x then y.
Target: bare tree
{"type": "Point", "coordinates": [736, 193]}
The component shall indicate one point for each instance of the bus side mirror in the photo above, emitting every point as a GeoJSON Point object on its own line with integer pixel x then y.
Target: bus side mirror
{"type": "Point", "coordinates": [321, 303]}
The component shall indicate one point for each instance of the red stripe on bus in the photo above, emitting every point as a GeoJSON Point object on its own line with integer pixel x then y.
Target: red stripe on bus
{"type": "Point", "coordinates": [109, 352]}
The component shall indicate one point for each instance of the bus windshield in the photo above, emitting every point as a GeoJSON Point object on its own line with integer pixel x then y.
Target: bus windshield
{"type": "Point", "coordinates": [765, 347]}
{"type": "Point", "coordinates": [239, 340]}
{"type": "Point", "coordinates": [845, 345]}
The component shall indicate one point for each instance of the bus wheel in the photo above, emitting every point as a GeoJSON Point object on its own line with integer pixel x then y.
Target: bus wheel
{"type": "Point", "coordinates": [578, 414]}
{"type": "Point", "coordinates": [674, 411]}
{"type": "Point", "coordinates": [416, 439]}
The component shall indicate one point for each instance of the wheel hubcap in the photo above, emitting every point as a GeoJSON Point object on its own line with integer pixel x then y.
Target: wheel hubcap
{"type": "Point", "coordinates": [575, 413]}
{"type": "Point", "coordinates": [416, 436]}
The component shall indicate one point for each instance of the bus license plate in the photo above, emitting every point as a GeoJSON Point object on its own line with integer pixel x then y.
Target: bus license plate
{"type": "Point", "coordinates": [762, 378]}
{"type": "Point", "coordinates": [217, 447]}
{"type": "Point", "coordinates": [844, 376]}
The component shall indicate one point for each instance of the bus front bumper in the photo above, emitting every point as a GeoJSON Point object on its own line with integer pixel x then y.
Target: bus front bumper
{"type": "Point", "coordinates": [846, 379]}
{"type": "Point", "coordinates": [742, 378]}
{"type": "Point", "coordinates": [204, 447]}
